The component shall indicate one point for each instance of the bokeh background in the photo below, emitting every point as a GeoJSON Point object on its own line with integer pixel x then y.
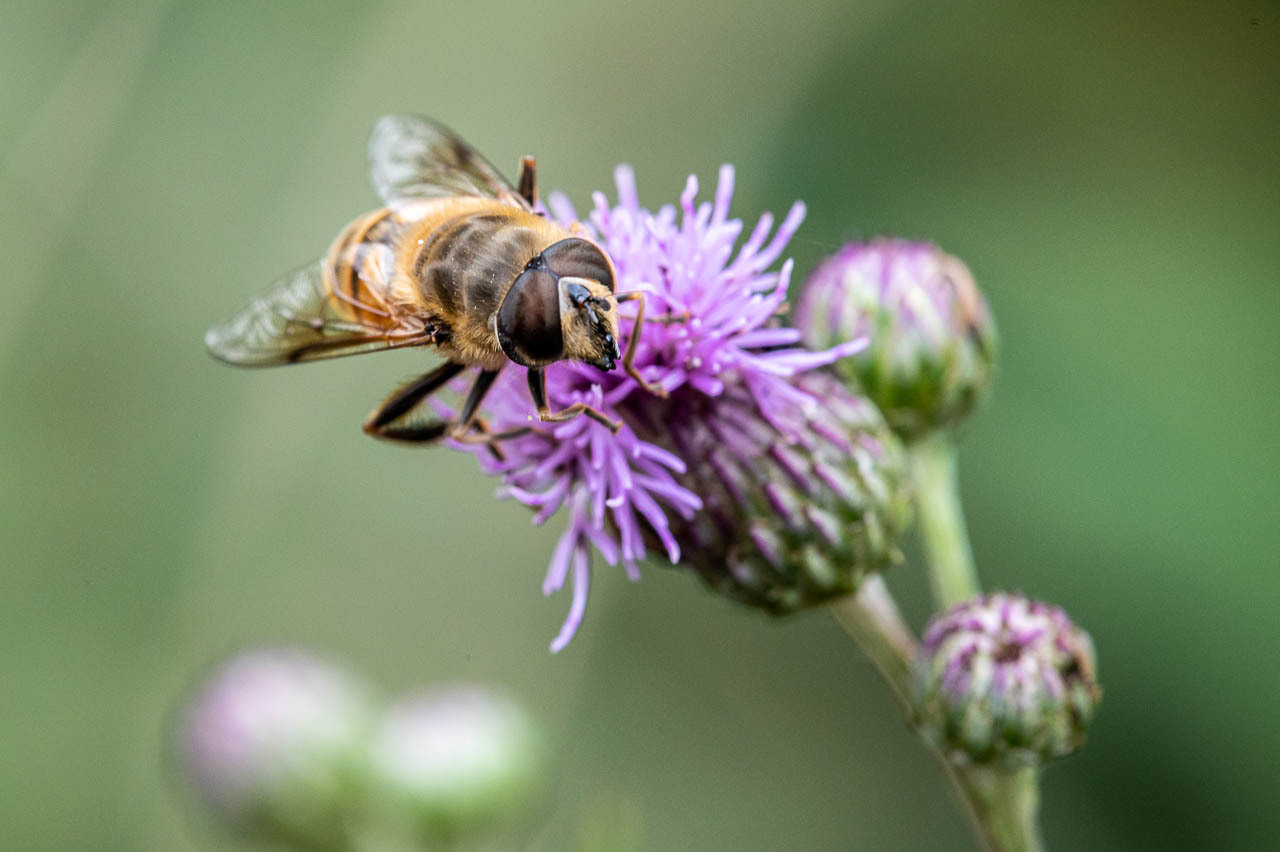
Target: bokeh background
{"type": "Point", "coordinates": [1109, 170]}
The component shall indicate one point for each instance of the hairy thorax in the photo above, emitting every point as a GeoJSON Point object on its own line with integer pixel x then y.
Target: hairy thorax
{"type": "Point", "coordinates": [455, 262]}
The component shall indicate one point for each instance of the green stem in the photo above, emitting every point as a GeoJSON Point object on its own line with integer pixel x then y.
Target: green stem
{"type": "Point", "coordinates": [1006, 802]}
{"type": "Point", "coordinates": [871, 617]}
{"type": "Point", "coordinates": [946, 541]}
{"type": "Point", "coordinates": [1001, 805]}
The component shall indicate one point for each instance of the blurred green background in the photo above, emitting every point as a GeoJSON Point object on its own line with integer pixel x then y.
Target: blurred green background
{"type": "Point", "coordinates": [1109, 171]}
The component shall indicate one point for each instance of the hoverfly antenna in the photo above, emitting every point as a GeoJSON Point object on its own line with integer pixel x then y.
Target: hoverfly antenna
{"type": "Point", "coordinates": [577, 289]}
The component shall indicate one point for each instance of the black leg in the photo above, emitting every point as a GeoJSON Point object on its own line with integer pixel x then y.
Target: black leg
{"type": "Point", "coordinates": [424, 434]}
{"type": "Point", "coordinates": [408, 397]}
{"type": "Point", "coordinates": [529, 180]}
{"type": "Point", "coordinates": [381, 423]}
{"type": "Point", "coordinates": [538, 389]}
{"type": "Point", "coordinates": [479, 390]}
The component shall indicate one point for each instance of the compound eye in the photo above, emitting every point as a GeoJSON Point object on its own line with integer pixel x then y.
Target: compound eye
{"type": "Point", "coordinates": [528, 321]}
{"type": "Point", "coordinates": [575, 257]}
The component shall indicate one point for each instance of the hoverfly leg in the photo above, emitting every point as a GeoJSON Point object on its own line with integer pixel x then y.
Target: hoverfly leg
{"type": "Point", "coordinates": [382, 423]}
{"type": "Point", "coordinates": [427, 433]}
{"type": "Point", "coordinates": [493, 440]}
{"type": "Point", "coordinates": [546, 416]}
{"type": "Point", "coordinates": [538, 389]}
{"type": "Point", "coordinates": [484, 435]}
{"type": "Point", "coordinates": [471, 407]}
{"type": "Point", "coordinates": [669, 319]}
{"type": "Point", "coordinates": [528, 182]}
{"type": "Point", "coordinates": [633, 343]}
{"type": "Point", "coordinates": [461, 430]}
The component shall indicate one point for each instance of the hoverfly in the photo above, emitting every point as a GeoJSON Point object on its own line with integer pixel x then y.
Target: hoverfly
{"type": "Point", "coordinates": [457, 259]}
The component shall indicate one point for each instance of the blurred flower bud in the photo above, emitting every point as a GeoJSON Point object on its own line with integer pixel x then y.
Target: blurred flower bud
{"type": "Point", "coordinates": [1005, 678]}
{"type": "Point", "coordinates": [795, 512]}
{"type": "Point", "coordinates": [932, 337]}
{"type": "Point", "coordinates": [274, 743]}
{"type": "Point", "coordinates": [458, 765]}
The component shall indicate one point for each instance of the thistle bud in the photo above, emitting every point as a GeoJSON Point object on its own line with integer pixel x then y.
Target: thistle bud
{"type": "Point", "coordinates": [274, 744]}
{"type": "Point", "coordinates": [794, 513]}
{"type": "Point", "coordinates": [1004, 678]}
{"type": "Point", "coordinates": [455, 763]}
{"type": "Point", "coordinates": [932, 337]}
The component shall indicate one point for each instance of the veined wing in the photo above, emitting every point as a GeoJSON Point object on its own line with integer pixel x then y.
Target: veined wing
{"type": "Point", "coordinates": [298, 320]}
{"type": "Point", "coordinates": [414, 157]}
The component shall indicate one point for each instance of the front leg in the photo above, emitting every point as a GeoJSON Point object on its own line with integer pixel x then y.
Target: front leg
{"type": "Point", "coordinates": [633, 343]}
{"type": "Point", "coordinates": [538, 389]}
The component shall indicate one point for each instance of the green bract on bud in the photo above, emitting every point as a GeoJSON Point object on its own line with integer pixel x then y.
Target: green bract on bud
{"type": "Point", "coordinates": [932, 338]}
{"type": "Point", "coordinates": [1004, 678]}
{"type": "Point", "coordinates": [794, 512]}
{"type": "Point", "coordinates": [458, 765]}
{"type": "Point", "coordinates": [274, 743]}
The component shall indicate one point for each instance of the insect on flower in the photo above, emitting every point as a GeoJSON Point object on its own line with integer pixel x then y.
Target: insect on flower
{"type": "Point", "coordinates": [461, 260]}
{"type": "Point", "coordinates": [674, 479]}
{"type": "Point", "coordinates": [458, 259]}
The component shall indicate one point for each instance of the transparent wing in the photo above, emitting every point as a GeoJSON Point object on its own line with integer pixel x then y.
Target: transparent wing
{"type": "Point", "coordinates": [412, 156]}
{"type": "Point", "coordinates": [297, 321]}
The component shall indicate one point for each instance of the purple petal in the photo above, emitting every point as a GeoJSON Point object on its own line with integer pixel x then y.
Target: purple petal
{"type": "Point", "coordinates": [581, 585]}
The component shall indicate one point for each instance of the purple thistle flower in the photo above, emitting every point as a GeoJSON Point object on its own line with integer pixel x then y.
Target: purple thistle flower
{"type": "Point", "coordinates": [1002, 676]}
{"type": "Point", "coordinates": [715, 347]}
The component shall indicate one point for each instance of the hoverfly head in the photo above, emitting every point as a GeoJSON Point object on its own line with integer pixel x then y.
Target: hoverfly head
{"type": "Point", "coordinates": [590, 322]}
{"type": "Point", "coordinates": [562, 306]}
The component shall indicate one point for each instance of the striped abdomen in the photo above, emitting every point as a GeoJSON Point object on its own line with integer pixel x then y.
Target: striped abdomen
{"type": "Point", "coordinates": [442, 264]}
{"type": "Point", "coordinates": [360, 266]}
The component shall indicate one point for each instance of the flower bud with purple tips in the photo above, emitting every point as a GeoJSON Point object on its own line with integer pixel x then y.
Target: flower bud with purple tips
{"type": "Point", "coordinates": [932, 338]}
{"type": "Point", "coordinates": [1004, 678]}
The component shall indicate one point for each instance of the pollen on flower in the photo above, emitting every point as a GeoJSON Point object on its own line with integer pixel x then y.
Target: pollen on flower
{"type": "Point", "coordinates": [625, 494]}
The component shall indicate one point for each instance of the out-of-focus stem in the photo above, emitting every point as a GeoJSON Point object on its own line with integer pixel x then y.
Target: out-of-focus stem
{"type": "Point", "coordinates": [1006, 803]}
{"type": "Point", "coordinates": [946, 540]}
{"type": "Point", "coordinates": [871, 617]}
